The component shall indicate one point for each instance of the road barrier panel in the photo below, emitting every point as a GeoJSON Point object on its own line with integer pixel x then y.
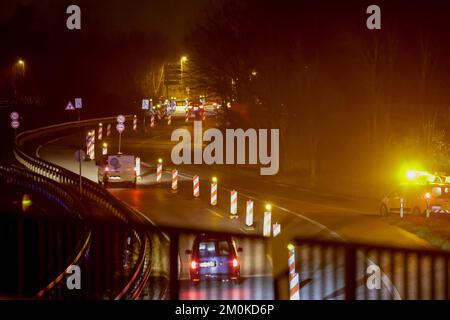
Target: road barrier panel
{"type": "Point", "coordinates": [196, 186]}
{"type": "Point", "coordinates": [294, 287]}
{"type": "Point", "coordinates": [174, 179]}
{"type": "Point", "coordinates": [90, 144]}
{"type": "Point", "coordinates": [138, 167]}
{"type": "Point", "coordinates": [152, 121]}
{"type": "Point", "coordinates": [108, 130]}
{"type": "Point", "coordinates": [249, 215]}
{"type": "Point", "coordinates": [134, 123]}
{"type": "Point", "coordinates": [214, 192]}
{"type": "Point", "coordinates": [401, 207]}
{"type": "Point", "coordinates": [428, 208]}
{"type": "Point", "coordinates": [276, 229]}
{"type": "Point", "coordinates": [233, 204]}
{"type": "Point", "coordinates": [169, 120]}
{"type": "Point", "coordinates": [267, 223]}
{"type": "Point", "coordinates": [159, 172]}
{"type": "Point", "coordinates": [100, 131]}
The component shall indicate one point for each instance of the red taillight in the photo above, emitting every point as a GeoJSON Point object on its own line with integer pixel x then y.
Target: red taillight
{"type": "Point", "coordinates": [194, 264]}
{"type": "Point", "coordinates": [235, 263]}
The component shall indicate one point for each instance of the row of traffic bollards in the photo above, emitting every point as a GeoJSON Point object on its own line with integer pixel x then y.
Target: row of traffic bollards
{"type": "Point", "coordinates": [268, 228]}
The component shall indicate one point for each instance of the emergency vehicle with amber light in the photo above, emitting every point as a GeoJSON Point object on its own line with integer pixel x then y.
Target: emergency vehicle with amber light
{"type": "Point", "coordinates": [421, 193]}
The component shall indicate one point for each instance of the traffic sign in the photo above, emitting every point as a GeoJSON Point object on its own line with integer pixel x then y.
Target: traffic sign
{"type": "Point", "coordinates": [78, 103]}
{"type": "Point", "coordinates": [70, 106]}
{"type": "Point", "coordinates": [15, 124]}
{"type": "Point", "coordinates": [14, 116]}
{"type": "Point", "coordinates": [80, 155]}
{"type": "Point", "coordinates": [120, 118]}
{"type": "Point", "coordinates": [120, 127]}
{"type": "Point", "coordinates": [145, 104]}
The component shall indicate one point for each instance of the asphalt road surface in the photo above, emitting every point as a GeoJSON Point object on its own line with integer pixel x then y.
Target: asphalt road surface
{"type": "Point", "coordinates": [301, 213]}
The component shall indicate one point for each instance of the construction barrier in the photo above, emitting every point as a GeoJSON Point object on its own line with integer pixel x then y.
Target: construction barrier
{"type": "Point", "coordinates": [294, 287]}
{"type": "Point", "coordinates": [249, 214]}
{"type": "Point", "coordinates": [138, 167]}
{"type": "Point", "coordinates": [233, 204]}
{"type": "Point", "coordinates": [196, 184]}
{"type": "Point", "coordinates": [90, 144]}
{"type": "Point", "coordinates": [276, 229]}
{"type": "Point", "coordinates": [214, 192]}
{"type": "Point", "coordinates": [100, 131]}
{"type": "Point", "coordinates": [267, 223]}
{"type": "Point", "coordinates": [159, 172]}
{"type": "Point", "coordinates": [174, 179]}
{"type": "Point", "coordinates": [169, 120]}
{"type": "Point", "coordinates": [401, 208]}
{"type": "Point", "coordinates": [134, 123]}
{"type": "Point", "coordinates": [108, 130]}
{"type": "Point", "coordinates": [152, 121]}
{"type": "Point", "coordinates": [187, 116]}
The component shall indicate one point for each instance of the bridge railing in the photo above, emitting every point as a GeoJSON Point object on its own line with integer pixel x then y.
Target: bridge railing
{"type": "Point", "coordinates": [98, 196]}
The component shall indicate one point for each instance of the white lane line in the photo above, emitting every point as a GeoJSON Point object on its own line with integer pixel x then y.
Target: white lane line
{"type": "Point", "coordinates": [38, 149]}
{"type": "Point", "coordinates": [215, 213]}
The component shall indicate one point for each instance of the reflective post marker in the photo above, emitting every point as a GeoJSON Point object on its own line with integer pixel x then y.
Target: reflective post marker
{"type": "Point", "coordinates": [214, 191]}
{"type": "Point", "coordinates": [276, 229]}
{"type": "Point", "coordinates": [267, 221]}
{"type": "Point", "coordinates": [159, 171]}
{"type": "Point", "coordinates": [233, 204]}
{"type": "Point", "coordinates": [174, 179]}
{"type": "Point", "coordinates": [100, 131]}
{"type": "Point", "coordinates": [294, 288]}
{"type": "Point", "coordinates": [138, 167]}
{"type": "Point", "coordinates": [249, 215]}
{"type": "Point", "coordinates": [196, 186]}
{"type": "Point", "coordinates": [401, 208]}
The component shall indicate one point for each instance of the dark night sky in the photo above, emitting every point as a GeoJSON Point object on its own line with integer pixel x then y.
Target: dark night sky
{"type": "Point", "coordinates": [173, 17]}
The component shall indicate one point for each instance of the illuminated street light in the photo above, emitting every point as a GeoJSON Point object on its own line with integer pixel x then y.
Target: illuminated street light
{"type": "Point", "coordinates": [160, 160]}
{"type": "Point", "coordinates": [268, 207]}
{"type": "Point", "coordinates": [21, 63]}
{"type": "Point", "coordinates": [184, 59]}
{"type": "Point", "coordinates": [214, 179]}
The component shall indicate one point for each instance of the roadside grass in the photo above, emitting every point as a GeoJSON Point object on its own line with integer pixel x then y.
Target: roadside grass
{"type": "Point", "coordinates": [435, 230]}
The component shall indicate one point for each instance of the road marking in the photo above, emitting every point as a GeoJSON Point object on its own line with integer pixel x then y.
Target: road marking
{"type": "Point", "coordinates": [215, 213]}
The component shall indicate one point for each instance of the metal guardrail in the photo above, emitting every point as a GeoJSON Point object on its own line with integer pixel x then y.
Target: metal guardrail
{"type": "Point", "coordinates": [90, 190]}
{"type": "Point", "coordinates": [58, 194]}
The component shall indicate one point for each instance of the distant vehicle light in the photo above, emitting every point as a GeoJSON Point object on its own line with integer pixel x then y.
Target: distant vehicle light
{"type": "Point", "coordinates": [427, 195]}
{"type": "Point", "coordinates": [194, 265]}
{"type": "Point", "coordinates": [106, 169]}
{"type": "Point", "coordinates": [235, 263]}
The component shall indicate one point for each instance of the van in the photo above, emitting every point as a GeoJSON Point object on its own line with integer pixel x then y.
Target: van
{"type": "Point", "coordinates": [118, 168]}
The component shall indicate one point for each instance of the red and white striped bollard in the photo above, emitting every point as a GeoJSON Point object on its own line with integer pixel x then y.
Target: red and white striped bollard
{"type": "Point", "coordinates": [196, 185]}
